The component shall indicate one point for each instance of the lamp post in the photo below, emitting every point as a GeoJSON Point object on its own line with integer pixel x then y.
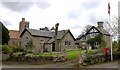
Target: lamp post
{"type": "Point", "coordinates": [55, 36]}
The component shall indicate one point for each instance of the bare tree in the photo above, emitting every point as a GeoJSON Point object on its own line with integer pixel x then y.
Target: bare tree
{"type": "Point", "coordinates": [86, 28]}
{"type": "Point", "coordinates": [112, 27]}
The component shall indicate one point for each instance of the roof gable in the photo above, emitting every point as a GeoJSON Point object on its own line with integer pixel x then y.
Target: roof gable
{"type": "Point", "coordinates": [92, 30]}
{"type": "Point", "coordinates": [61, 34]}
{"type": "Point", "coordinates": [68, 31]}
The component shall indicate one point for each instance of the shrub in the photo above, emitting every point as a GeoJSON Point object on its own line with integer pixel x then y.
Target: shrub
{"type": "Point", "coordinates": [6, 49]}
{"type": "Point", "coordinates": [19, 56]}
{"type": "Point", "coordinates": [16, 48]}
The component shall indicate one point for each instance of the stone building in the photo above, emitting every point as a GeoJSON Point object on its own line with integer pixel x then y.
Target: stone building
{"type": "Point", "coordinates": [91, 33]}
{"type": "Point", "coordinates": [43, 40]}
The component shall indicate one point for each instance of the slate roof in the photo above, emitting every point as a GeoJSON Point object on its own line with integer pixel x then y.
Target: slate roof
{"type": "Point", "coordinates": [34, 32]}
{"type": "Point", "coordinates": [39, 32]}
{"type": "Point", "coordinates": [103, 31]}
{"type": "Point", "coordinates": [79, 37]}
{"type": "Point", "coordinates": [60, 33]}
{"type": "Point", "coordinates": [49, 34]}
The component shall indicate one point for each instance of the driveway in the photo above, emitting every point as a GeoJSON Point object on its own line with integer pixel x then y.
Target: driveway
{"type": "Point", "coordinates": [105, 65]}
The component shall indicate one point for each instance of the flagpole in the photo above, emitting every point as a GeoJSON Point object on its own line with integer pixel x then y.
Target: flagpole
{"type": "Point", "coordinates": [111, 29]}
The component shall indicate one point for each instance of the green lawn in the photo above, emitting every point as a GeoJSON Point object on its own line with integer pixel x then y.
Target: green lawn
{"type": "Point", "coordinates": [73, 54]}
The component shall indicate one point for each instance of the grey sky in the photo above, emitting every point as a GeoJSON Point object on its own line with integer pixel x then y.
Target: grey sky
{"type": "Point", "coordinates": [42, 4]}
{"type": "Point", "coordinates": [92, 18]}
{"type": "Point", "coordinates": [17, 6]}
{"type": "Point", "coordinates": [24, 6]}
{"type": "Point", "coordinates": [74, 14]}
{"type": "Point", "coordinates": [6, 23]}
{"type": "Point", "coordinates": [91, 5]}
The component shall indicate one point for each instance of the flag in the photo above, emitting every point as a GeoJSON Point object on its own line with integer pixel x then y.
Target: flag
{"type": "Point", "coordinates": [109, 8]}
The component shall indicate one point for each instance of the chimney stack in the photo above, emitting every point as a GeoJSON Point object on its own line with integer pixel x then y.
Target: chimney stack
{"type": "Point", "coordinates": [100, 24]}
{"type": "Point", "coordinates": [23, 24]}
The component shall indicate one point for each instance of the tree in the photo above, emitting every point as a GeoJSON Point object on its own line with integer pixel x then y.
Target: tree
{"type": "Point", "coordinates": [118, 45]}
{"type": "Point", "coordinates": [5, 34]}
{"type": "Point", "coordinates": [115, 46]}
{"type": "Point", "coordinates": [86, 28]}
{"type": "Point", "coordinates": [45, 29]}
{"type": "Point", "coordinates": [112, 27]}
{"type": "Point", "coordinates": [98, 38]}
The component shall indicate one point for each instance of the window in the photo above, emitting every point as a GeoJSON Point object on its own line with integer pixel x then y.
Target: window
{"type": "Point", "coordinates": [92, 35]}
{"type": "Point", "coordinates": [41, 40]}
{"type": "Point", "coordinates": [83, 38]}
{"type": "Point", "coordinates": [67, 42]}
{"type": "Point", "coordinates": [83, 44]}
{"type": "Point", "coordinates": [26, 39]}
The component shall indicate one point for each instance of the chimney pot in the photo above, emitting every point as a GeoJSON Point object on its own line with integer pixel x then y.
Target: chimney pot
{"type": "Point", "coordinates": [23, 19]}
{"type": "Point", "coordinates": [100, 23]}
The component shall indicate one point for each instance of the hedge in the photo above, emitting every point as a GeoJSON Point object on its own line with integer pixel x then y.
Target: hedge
{"type": "Point", "coordinates": [23, 56]}
{"type": "Point", "coordinates": [93, 59]}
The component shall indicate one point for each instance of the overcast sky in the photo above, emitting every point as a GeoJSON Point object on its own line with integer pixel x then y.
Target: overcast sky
{"type": "Point", "coordinates": [70, 14]}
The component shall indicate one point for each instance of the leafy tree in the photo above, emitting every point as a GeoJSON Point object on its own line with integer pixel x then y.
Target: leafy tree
{"type": "Point", "coordinates": [115, 46]}
{"type": "Point", "coordinates": [98, 38]}
{"type": "Point", "coordinates": [6, 49]}
{"type": "Point", "coordinates": [45, 29]}
{"type": "Point", "coordinates": [5, 34]}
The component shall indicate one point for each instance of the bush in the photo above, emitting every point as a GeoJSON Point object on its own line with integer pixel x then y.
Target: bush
{"type": "Point", "coordinates": [19, 56]}
{"type": "Point", "coordinates": [90, 60]}
{"type": "Point", "coordinates": [6, 49]}
{"type": "Point", "coordinates": [47, 58]}
{"type": "Point", "coordinates": [23, 56]}
{"type": "Point", "coordinates": [16, 48]}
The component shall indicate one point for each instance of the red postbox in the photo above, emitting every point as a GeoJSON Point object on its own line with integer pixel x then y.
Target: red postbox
{"type": "Point", "coordinates": [105, 51]}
